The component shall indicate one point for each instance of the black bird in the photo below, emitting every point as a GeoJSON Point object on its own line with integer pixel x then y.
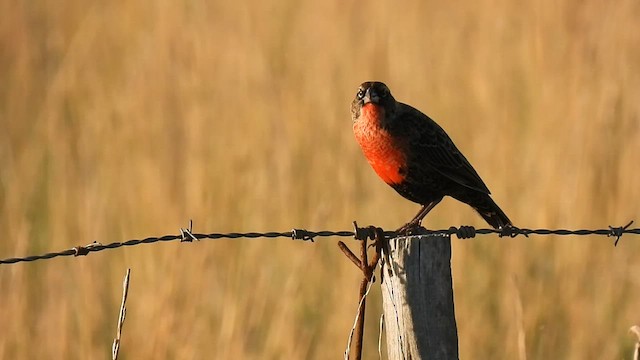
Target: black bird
{"type": "Point", "coordinates": [416, 157]}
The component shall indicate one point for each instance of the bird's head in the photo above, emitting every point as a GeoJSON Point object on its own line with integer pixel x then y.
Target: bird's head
{"type": "Point", "coordinates": [376, 94]}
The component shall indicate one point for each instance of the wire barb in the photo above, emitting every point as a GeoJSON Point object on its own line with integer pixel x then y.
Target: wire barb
{"type": "Point", "coordinates": [363, 233]}
{"type": "Point", "coordinates": [618, 232]}
{"type": "Point", "coordinates": [302, 234]}
{"type": "Point", "coordinates": [187, 234]}
{"type": "Point", "coordinates": [511, 231]}
{"type": "Point", "coordinates": [84, 250]}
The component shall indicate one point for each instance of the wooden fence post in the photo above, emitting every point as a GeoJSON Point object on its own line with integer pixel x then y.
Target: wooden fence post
{"type": "Point", "coordinates": [417, 298]}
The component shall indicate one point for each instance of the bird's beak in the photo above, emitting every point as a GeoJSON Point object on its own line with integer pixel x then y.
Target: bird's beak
{"type": "Point", "coordinates": [370, 97]}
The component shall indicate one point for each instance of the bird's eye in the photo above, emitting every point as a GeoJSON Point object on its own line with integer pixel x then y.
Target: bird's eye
{"type": "Point", "coordinates": [384, 92]}
{"type": "Point", "coordinates": [360, 94]}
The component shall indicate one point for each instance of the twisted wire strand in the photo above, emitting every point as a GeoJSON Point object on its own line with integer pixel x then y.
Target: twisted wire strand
{"type": "Point", "coordinates": [462, 232]}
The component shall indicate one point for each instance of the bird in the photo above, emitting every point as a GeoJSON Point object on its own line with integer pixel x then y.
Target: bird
{"type": "Point", "coordinates": [411, 153]}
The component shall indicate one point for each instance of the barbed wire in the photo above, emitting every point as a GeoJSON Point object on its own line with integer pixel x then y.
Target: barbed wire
{"type": "Point", "coordinates": [359, 233]}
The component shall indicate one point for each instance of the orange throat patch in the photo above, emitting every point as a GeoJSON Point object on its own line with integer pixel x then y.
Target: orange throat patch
{"type": "Point", "coordinates": [381, 150]}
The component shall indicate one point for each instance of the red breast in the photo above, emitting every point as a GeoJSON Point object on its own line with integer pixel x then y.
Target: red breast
{"type": "Point", "coordinates": [380, 148]}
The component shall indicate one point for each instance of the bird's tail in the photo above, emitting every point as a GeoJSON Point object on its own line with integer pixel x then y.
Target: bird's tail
{"type": "Point", "coordinates": [491, 212]}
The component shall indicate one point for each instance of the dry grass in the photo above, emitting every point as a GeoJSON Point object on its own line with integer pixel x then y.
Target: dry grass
{"type": "Point", "coordinates": [121, 120]}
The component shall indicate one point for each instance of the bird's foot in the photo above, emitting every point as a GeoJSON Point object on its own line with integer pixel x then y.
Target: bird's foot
{"type": "Point", "coordinates": [409, 228]}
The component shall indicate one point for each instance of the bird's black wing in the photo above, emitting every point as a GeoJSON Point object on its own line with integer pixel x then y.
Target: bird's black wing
{"type": "Point", "coordinates": [433, 150]}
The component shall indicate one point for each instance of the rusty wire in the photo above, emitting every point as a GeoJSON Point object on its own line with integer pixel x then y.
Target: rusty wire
{"type": "Point", "coordinates": [462, 232]}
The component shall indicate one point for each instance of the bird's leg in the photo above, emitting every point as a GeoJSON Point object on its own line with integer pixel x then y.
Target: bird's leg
{"type": "Point", "coordinates": [416, 222]}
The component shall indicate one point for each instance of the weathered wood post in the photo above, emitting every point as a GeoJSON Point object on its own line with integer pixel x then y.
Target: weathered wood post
{"type": "Point", "coordinates": [417, 299]}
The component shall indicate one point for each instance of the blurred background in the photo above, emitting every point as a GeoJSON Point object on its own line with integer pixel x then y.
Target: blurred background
{"type": "Point", "coordinates": [123, 120]}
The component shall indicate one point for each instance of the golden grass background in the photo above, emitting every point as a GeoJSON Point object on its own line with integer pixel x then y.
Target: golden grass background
{"type": "Point", "coordinates": [126, 119]}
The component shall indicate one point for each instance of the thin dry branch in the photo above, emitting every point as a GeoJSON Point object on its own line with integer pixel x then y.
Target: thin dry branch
{"type": "Point", "coordinates": [115, 348]}
{"type": "Point", "coordinates": [367, 267]}
{"type": "Point", "coordinates": [636, 330]}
